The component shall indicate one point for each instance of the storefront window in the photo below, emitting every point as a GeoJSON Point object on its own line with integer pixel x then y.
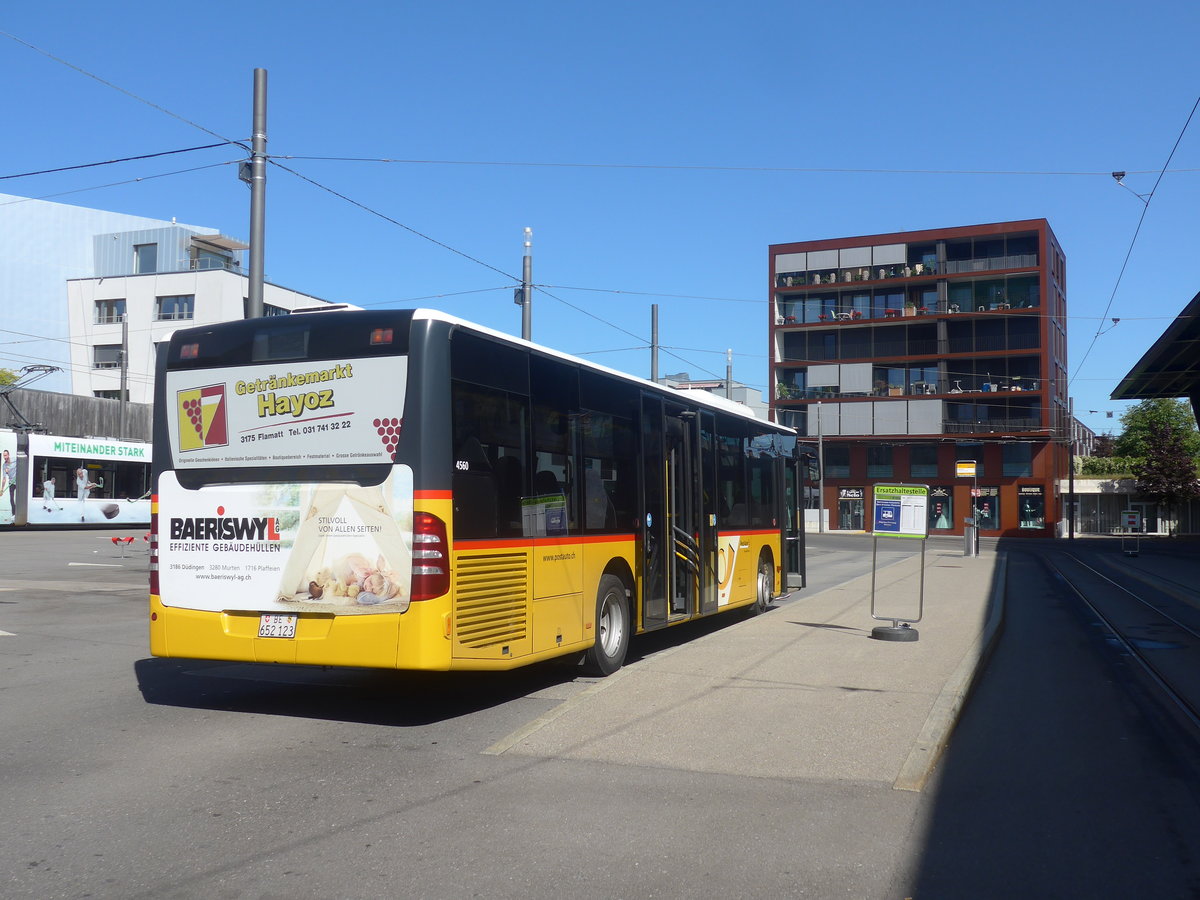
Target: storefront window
{"type": "Point", "coordinates": [1031, 502]}
{"type": "Point", "coordinates": [987, 509]}
{"type": "Point", "coordinates": [941, 508]}
{"type": "Point", "coordinates": [850, 509]}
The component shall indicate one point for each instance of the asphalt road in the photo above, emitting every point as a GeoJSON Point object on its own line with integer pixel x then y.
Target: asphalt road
{"type": "Point", "coordinates": [125, 776]}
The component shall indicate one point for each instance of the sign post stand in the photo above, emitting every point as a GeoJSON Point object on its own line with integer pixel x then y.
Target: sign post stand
{"type": "Point", "coordinates": [965, 468]}
{"type": "Point", "coordinates": [901, 511]}
{"type": "Point", "coordinates": [1131, 530]}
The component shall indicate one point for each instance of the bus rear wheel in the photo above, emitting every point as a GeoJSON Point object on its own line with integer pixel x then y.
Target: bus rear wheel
{"type": "Point", "coordinates": [764, 589]}
{"type": "Point", "coordinates": [607, 655]}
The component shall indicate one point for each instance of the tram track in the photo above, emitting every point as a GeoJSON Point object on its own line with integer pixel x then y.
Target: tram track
{"type": "Point", "coordinates": [1155, 627]}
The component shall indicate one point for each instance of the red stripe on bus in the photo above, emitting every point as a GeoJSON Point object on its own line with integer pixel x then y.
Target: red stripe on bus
{"type": "Point", "coordinates": [432, 495]}
{"type": "Point", "coordinates": [511, 543]}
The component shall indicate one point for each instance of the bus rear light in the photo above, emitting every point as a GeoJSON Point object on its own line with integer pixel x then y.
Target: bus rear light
{"type": "Point", "coordinates": [381, 336]}
{"type": "Point", "coordinates": [154, 547]}
{"type": "Point", "coordinates": [431, 557]}
{"type": "Point", "coordinates": [189, 351]}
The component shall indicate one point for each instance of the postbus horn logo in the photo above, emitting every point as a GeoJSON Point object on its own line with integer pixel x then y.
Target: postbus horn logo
{"type": "Point", "coordinates": [202, 421]}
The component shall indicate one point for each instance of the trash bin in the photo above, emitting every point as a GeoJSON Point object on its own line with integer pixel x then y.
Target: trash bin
{"type": "Point", "coordinates": [970, 537]}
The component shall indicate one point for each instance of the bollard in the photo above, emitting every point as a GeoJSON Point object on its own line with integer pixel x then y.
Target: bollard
{"type": "Point", "coordinates": [970, 538]}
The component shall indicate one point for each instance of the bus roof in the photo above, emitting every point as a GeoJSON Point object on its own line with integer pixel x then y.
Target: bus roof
{"type": "Point", "coordinates": [700, 397]}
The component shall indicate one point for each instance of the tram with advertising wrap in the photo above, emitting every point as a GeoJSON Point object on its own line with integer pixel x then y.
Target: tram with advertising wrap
{"type": "Point", "coordinates": [51, 479]}
{"type": "Point", "coordinates": [402, 489]}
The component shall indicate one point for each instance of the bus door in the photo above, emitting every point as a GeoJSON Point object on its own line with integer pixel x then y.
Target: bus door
{"type": "Point", "coordinates": [706, 520]}
{"type": "Point", "coordinates": [654, 514]}
{"type": "Point", "coordinates": [682, 435]}
{"type": "Point", "coordinates": [795, 483]}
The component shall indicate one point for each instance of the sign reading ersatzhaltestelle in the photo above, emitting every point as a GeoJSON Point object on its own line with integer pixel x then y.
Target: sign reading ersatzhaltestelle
{"type": "Point", "coordinates": [299, 413]}
{"type": "Point", "coordinates": [901, 510]}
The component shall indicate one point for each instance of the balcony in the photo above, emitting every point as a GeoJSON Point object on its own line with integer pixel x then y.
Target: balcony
{"type": "Point", "coordinates": [854, 274]}
{"type": "Point", "coordinates": [990, 264]}
{"type": "Point", "coordinates": [993, 425]}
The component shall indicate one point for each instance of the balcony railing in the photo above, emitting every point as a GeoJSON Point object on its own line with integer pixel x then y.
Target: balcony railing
{"type": "Point", "coordinates": [990, 263]}
{"type": "Point", "coordinates": [992, 425]}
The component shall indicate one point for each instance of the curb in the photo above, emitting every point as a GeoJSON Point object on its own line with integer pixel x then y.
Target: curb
{"type": "Point", "coordinates": [935, 733]}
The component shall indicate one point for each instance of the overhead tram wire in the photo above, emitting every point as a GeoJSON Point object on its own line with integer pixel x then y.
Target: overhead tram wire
{"type": "Point", "coordinates": [466, 256]}
{"type": "Point", "coordinates": [119, 89]}
{"type": "Point", "coordinates": [1133, 240]}
{"type": "Point", "coordinates": [389, 219]}
{"type": "Point", "coordinates": [98, 187]}
{"type": "Point", "coordinates": [111, 162]}
{"type": "Point", "coordinates": [804, 170]}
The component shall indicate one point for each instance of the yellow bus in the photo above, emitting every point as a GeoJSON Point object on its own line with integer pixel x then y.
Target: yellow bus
{"type": "Point", "coordinates": [402, 489]}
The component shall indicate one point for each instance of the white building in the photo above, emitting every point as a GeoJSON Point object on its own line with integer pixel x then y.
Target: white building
{"type": "Point", "coordinates": [70, 276]}
{"type": "Point", "coordinates": [153, 306]}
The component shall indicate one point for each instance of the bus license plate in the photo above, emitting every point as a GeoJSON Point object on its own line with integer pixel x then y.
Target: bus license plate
{"type": "Point", "coordinates": [276, 626]}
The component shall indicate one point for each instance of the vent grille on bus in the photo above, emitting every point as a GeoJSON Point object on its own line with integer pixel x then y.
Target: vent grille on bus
{"type": "Point", "coordinates": [491, 599]}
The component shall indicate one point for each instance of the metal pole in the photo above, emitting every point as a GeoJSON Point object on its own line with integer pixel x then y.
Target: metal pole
{"type": "Point", "coordinates": [1071, 468]}
{"type": "Point", "coordinates": [820, 473]}
{"type": "Point", "coordinates": [654, 342]}
{"type": "Point", "coordinates": [123, 394]}
{"type": "Point", "coordinates": [258, 196]}
{"type": "Point", "coordinates": [527, 288]}
{"type": "Point", "coordinates": [729, 374]}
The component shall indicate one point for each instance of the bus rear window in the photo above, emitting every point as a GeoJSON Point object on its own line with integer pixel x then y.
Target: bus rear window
{"type": "Point", "coordinates": [271, 344]}
{"type": "Point", "coordinates": [319, 336]}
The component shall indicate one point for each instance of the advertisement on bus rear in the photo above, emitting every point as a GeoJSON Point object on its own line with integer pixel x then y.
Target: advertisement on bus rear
{"type": "Point", "coordinates": [294, 413]}
{"type": "Point", "coordinates": [296, 547]}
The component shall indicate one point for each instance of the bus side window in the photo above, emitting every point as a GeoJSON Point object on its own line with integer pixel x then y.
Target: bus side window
{"type": "Point", "coordinates": [554, 390]}
{"type": "Point", "coordinates": [489, 465]}
{"type": "Point", "coordinates": [474, 492]}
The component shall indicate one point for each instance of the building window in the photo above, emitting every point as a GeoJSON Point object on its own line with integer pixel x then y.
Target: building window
{"type": "Point", "coordinates": [173, 308]}
{"type": "Point", "coordinates": [922, 461]}
{"type": "Point", "coordinates": [106, 356]}
{"type": "Point", "coordinates": [1032, 502]}
{"type": "Point", "coordinates": [941, 508]}
{"type": "Point", "coordinates": [837, 462]}
{"type": "Point", "coordinates": [145, 259]}
{"type": "Point", "coordinates": [1017, 460]}
{"type": "Point", "coordinates": [987, 509]}
{"type": "Point", "coordinates": [109, 395]}
{"type": "Point", "coordinates": [879, 462]}
{"type": "Point", "coordinates": [109, 312]}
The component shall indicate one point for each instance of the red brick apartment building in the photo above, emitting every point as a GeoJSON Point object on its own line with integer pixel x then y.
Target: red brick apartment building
{"type": "Point", "coordinates": [903, 354]}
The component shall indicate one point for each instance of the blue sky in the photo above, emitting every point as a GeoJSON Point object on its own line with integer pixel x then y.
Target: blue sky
{"type": "Point", "coordinates": [661, 149]}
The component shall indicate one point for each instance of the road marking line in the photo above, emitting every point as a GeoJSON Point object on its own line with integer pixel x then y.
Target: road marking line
{"type": "Point", "coordinates": [7, 634]}
{"type": "Point", "coordinates": [101, 565]}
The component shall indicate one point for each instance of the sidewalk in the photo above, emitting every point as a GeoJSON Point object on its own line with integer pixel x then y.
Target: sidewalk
{"type": "Point", "coordinates": [802, 692]}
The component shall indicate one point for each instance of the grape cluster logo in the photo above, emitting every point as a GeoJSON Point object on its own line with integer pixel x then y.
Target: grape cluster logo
{"type": "Point", "coordinates": [389, 434]}
{"type": "Point", "coordinates": [202, 421]}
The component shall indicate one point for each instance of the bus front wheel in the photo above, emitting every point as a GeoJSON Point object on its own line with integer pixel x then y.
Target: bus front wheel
{"type": "Point", "coordinates": [612, 628]}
